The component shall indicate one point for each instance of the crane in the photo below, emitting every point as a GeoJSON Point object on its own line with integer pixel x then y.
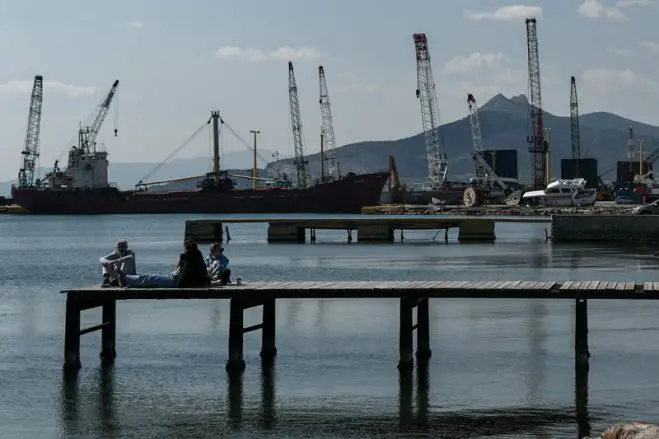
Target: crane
{"type": "Point", "coordinates": [31, 148]}
{"type": "Point", "coordinates": [574, 124]}
{"type": "Point", "coordinates": [537, 144]}
{"type": "Point", "coordinates": [425, 92]}
{"type": "Point", "coordinates": [87, 134]}
{"type": "Point", "coordinates": [327, 126]}
{"type": "Point", "coordinates": [296, 126]}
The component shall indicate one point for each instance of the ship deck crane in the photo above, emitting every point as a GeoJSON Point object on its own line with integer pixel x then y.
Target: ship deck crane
{"type": "Point", "coordinates": [574, 125]}
{"type": "Point", "coordinates": [30, 151]}
{"type": "Point", "coordinates": [87, 134]}
{"type": "Point", "coordinates": [537, 144]}
{"type": "Point", "coordinates": [296, 126]}
{"type": "Point", "coordinates": [327, 127]}
{"type": "Point", "coordinates": [425, 92]}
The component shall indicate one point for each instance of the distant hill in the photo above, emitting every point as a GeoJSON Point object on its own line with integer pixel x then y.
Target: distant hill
{"type": "Point", "coordinates": [505, 125]}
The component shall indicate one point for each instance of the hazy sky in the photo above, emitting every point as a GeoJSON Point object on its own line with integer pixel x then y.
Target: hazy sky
{"type": "Point", "coordinates": [178, 60]}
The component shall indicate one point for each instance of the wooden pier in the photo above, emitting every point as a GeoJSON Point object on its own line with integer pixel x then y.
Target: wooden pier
{"type": "Point", "coordinates": [414, 299]}
{"type": "Point", "coordinates": [369, 229]}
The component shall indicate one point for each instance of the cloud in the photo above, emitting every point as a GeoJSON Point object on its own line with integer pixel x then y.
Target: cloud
{"type": "Point", "coordinates": [135, 24]}
{"type": "Point", "coordinates": [605, 80]}
{"type": "Point", "coordinates": [474, 61]}
{"type": "Point", "coordinates": [284, 53]}
{"type": "Point", "coordinates": [593, 9]}
{"type": "Point", "coordinates": [650, 45]}
{"type": "Point", "coordinates": [25, 86]}
{"type": "Point", "coordinates": [628, 3]}
{"type": "Point", "coordinates": [620, 52]}
{"type": "Point", "coordinates": [506, 13]}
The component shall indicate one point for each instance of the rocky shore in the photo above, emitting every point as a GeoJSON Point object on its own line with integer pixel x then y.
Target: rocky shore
{"type": "Point", "coordinates": [608, 209]}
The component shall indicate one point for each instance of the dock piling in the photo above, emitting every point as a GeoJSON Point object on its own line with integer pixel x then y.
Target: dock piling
{"type": "Point", "coordinates": [72, 333]}
{"type": "Point", "coordinates": [109, 331]}
{"type": "Point", "coordinates": [235, 362]}
{"type": "Point", "coordinates": [268, 347]}
{"type": "Point", "coordinates": [581, 353]}
{"type": "Point", "coordinates": [423, 351]}
{"type": "Point", "coordinates": [407, 328]}
{"type": "Point", "coordinates": [237, 329]}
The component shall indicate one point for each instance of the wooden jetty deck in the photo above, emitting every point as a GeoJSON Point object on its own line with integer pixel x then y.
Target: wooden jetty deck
{"type": "Point", "coordinates": [381, 229]}
{"type": "Point", "coordinates": [412, 295]}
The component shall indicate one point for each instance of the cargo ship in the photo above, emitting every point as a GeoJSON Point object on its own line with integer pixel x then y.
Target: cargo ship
{"type": "Point", "coordinates": [84, 188]}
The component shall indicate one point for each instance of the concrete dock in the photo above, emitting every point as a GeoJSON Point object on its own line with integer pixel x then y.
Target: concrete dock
{"type": "Point", "coordinates": [368, 228]}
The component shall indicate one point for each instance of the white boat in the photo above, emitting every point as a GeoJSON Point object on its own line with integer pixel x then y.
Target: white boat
{"type": "Point", "coordinates": [562, 193]}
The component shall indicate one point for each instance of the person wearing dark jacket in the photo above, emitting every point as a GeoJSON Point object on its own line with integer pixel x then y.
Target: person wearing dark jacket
{"type": "Point", "coordinates": [192, 272]}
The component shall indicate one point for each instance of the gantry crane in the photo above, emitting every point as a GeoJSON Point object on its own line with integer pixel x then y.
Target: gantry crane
{"type": "Point", "coordinates": [574, 124]}
{"type": "Point", "coordinates": [425, 92]}
{"type": "Point", "coordinates": [296, 126]}
{"type": "Point", "coordinates": [30, 151]}
{"type": "Point", "coordinates": [537, 145]}
{"type": "Point", "coordinates": [87, 134]}
{"type": "Point", "coordinates": [327, 127]}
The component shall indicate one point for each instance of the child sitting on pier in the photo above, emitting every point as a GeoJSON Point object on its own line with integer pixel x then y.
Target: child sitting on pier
{"type": "Point", "coordinates": [218, 265]}
{"type": "Point", "coordinates": [190, 272]}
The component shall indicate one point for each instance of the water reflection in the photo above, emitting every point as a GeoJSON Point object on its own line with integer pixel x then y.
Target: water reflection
{"type": "Point", "coordinates": [581, 400]}
{"type": "Point", "coordinates": [537, 337]}
{"type": "Point", "coordinates": [68, 403]}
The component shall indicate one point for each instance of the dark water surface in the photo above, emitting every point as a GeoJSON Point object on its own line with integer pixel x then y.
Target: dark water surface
{"type": "Point", "coordinates": [500, 368]}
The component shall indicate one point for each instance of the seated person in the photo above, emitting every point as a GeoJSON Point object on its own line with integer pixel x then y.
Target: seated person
{"type": "Point", "coordinates": [218, 265]}
{"type": "Point", "coordinates": [190, 273]}
{"type": "Point", "coordinates": [121, 258]}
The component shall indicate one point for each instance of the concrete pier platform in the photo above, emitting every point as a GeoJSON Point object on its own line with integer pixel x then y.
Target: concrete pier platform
{"type": "Point", "coordinates": [605, 228]}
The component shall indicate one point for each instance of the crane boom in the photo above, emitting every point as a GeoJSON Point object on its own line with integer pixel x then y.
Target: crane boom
{"type": "Point", "coordinates": [296, 126]}
{"type": "Point", "coordinates": [87, 135]}
{"type": "Point", "coordinates": [327, 125]}
{"type": "Point", "coordinates": [476, 136]}
{"type": "Point", "coordinates": [574, 123]}
{"type": "Point", "coordinates": [425, 92]}
{"type": "Point", "coordinates": [537, 144]}
{"type": "Point", "coordinates": [31, 148]}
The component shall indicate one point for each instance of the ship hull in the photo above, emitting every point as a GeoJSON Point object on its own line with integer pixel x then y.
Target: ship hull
{"type": "Point", "coordinates": [346, 195]}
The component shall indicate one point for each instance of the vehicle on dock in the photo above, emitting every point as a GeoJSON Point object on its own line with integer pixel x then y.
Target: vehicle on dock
{"type": "Point", "coordinates": [562, 193]}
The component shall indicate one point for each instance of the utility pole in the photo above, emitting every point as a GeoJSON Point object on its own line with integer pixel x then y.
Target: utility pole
{"type": "Point", "coordinates": [254, 133]}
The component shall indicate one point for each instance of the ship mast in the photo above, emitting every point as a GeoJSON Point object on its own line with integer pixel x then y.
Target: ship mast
{"type": "Point", "coordinates": [215, 118]}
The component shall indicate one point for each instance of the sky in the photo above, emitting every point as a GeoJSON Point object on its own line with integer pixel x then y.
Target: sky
{"type": "Point", "coordinates": [180, 60]}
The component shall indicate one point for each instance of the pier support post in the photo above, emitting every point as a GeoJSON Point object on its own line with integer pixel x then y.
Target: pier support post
{"type": "Point", "coordinates": [72, 333]}
{"type": "Point", "coordinates": [278, 232]}
{"type": "Point", "coordinates": [581, 333]}
{"type": "Point", "coordinates": [235, 362]}
{"type": "Point", "coordinates": [406, 336]}
{"type": "Point", "coordinates": [268, 347]}
{"type": "Point", "coordinates": [478, 230]}
{"type": "Point", "coordinates": [109, 331]}
{"type": "Point", "coordinates": [423, 351]}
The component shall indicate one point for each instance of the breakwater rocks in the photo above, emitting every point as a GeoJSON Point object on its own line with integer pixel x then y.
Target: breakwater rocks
{"type": "Point", "coordinates": [606, 209]}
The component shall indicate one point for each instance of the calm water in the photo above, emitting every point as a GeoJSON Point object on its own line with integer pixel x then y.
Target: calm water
{"type": "Point", "coordinates": [500, 369]}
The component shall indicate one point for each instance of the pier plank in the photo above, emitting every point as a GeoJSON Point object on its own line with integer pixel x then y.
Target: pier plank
{"type": "Point", "coordinates": [648, 286]}
{"type": "Point", "coordinates": [566, 285]}
{"type": "Point", "coordinates": [655, 286]}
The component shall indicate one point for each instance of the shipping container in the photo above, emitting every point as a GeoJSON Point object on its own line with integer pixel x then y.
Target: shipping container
{"type": "Point", "coordinates": [503, 162]}
{"type": "Point", "coordinates": [626, 170]}
{"type": "Point", "coordinates": [587, 169]}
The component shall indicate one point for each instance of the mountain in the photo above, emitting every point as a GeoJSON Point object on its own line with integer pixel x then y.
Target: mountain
{"type": "Point", "coordinates": [504, 125]}
{"type": "Point", "coordinates": [126, 175]}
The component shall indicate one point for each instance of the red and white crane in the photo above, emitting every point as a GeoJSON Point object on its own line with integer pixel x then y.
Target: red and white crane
{"type": "Point", "coordinates": [425, 92]}
{"type": "Point", "coordinates": [536, 140]}
{"type": "Point", "coordinates": [296, 126]}
{"type": "Point", "coordinates": [31, 148]}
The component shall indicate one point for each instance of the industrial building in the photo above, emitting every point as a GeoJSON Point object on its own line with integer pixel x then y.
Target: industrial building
{"type": "Point", "coordinates": [503, 162]}
{"type": "Point", "coordinates": [587, 168]}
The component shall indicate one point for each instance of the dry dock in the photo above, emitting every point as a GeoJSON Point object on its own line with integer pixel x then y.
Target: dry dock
{"type": "Point", "coordinates": [369, 229]}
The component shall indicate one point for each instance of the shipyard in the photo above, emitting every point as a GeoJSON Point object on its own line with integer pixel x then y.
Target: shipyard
{"type": "Point", "coordinates": [463, 272]}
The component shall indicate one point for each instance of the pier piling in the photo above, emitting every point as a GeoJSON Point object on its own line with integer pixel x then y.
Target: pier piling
{"type": "Point", "coordinates": [581, 353]}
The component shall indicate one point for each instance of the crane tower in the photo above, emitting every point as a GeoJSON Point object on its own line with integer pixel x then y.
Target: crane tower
{"type": "Point", "coordinates": [30, 151]}
{"type": "Point", "coordinates": [537, 144]}
{"type": "Point", "coordinates": [87, 135]}
{"type": "Point", "coordinates": [425, 92]}
{"type": "Point", "coordinates": [296, 126]}
{"type": "Point", "coordinates": [574, 123]}
{"type": "Point", "coordinates": [476, 136]}
{"type": "Point", "coordinates": [327, 126]}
